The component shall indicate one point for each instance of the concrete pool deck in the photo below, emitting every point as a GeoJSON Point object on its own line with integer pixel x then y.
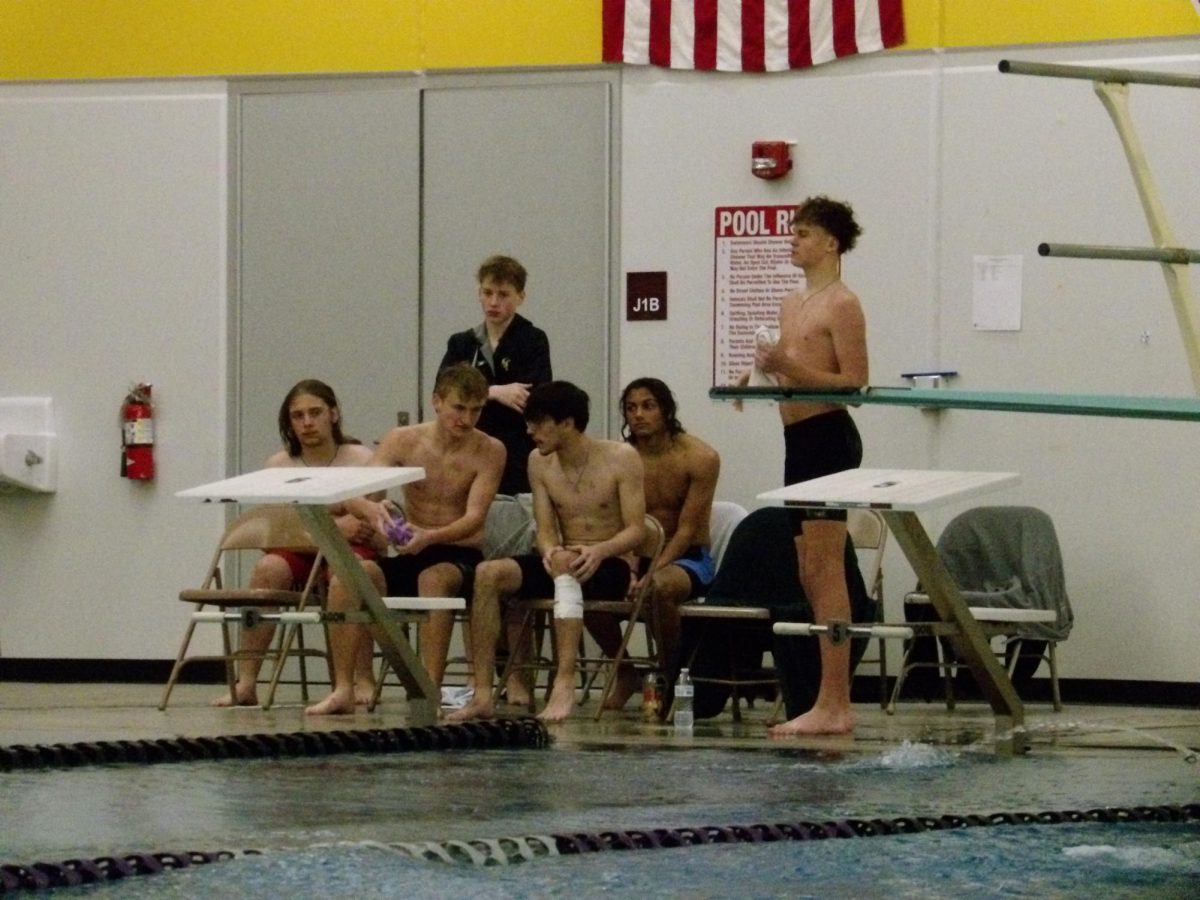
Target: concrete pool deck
{"type": "Point", "coordinates": [42, 713]}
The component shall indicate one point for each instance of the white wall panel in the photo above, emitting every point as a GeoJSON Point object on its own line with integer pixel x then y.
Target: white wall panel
{"type": "Point", "coordinates": [112, 249]}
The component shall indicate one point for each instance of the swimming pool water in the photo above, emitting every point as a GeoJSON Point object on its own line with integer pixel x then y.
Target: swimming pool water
{"type": "Point", "coordinates": [288, 807]}
{"type": "Point", "coordinates": [1113, 861]}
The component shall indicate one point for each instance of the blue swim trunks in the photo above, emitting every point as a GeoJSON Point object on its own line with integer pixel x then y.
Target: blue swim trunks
{"type": "Point", "coordinates": [700, 568]}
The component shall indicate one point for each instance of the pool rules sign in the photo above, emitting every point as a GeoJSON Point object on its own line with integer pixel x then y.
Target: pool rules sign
{"type": "Point", "coordinates": [752, 272]}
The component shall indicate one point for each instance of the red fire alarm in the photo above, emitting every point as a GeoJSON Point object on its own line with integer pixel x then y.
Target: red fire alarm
{"type": "Point", "coordinates": [771, 159]}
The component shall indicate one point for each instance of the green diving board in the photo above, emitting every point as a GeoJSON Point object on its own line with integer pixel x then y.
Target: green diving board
{"type": "Point", "coordinates": [1185, 409]}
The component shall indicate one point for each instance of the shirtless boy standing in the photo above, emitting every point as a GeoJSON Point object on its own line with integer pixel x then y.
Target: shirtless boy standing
{"type": "Point", "coordinates": [589, 510]}
{"type": "Point", "coordinates": [823, 346]}
{"type": "Point", "coordinates": [446, 510]}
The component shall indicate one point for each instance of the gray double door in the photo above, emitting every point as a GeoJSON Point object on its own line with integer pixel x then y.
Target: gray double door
{"type": "Point", "coordinates": [360, 213]}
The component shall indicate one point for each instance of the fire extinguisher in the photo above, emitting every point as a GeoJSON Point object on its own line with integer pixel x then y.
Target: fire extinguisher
{"type": "Point", "coordinates": [137, 434]}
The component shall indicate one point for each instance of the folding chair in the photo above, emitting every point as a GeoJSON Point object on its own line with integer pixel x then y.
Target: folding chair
{"type": "Point", "coordinates": [1007, 562]}
{"type": "Point", "coordinates": [631, 610]}
{"type": "Point", "coordinates": [758, 584]}
{"type": "Point", "coordinates": [726, 516]}
{"type": "Point", "coordinates": [869, 534]}
{"type": "Point", "coordinates": [262, 528]}
{"type": "Point", "coordinates": [508, 532]}
{"type": "Point", "coordinates": [536, 612]}
{"type": "Point", "coordinates": [723, 519]}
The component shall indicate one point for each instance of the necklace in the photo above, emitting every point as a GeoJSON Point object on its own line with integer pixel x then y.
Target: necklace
{"type": "Point", "coordinates": [336, 450]}
{"type": "Point", "coordinates": [823, 287]}
{"type": "Point", "coordinates": [579, 472]}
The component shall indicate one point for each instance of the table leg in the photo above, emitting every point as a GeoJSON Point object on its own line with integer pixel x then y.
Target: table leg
{"type": "Point", "coordinates": [423, 699]}
{"type": "Point", "coordinates": [971, 644]}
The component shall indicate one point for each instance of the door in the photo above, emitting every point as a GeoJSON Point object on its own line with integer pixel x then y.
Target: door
{"type": "Point", "coordinates": [326, 254]}
{"type": "Point", "coordinates": [521, 169]}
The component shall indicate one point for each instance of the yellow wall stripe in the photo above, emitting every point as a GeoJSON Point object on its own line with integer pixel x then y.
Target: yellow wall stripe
{"type": "Point", "coordinates": [46, 39]}
{"type": "Point", "coordinates": [84, 39]}
{"type": "Point", "coordinates": [131, 38]}
{"type": "Point", "coordinates": [468, 33]}
{"type": "Point", "coordinates": [987, 23]}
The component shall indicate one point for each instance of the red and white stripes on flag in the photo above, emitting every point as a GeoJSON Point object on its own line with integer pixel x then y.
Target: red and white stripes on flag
{"type": "Point", "coordinates": [747, 35]}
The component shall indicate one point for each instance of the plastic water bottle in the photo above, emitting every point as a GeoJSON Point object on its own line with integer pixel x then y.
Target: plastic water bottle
{"type": "Point", "coordinates": [652, 695]}
{"type": "Point", "coordinates": [685, 692]}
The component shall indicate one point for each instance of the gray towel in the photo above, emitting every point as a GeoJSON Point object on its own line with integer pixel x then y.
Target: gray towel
{"type": "Point", "coordinates": [1008, 556]}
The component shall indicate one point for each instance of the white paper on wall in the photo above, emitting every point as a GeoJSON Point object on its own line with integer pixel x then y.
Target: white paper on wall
{"type": "Point", "coordinates": [996, 293]}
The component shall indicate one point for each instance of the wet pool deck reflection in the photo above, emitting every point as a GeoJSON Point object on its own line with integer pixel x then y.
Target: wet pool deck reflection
{"type": "Point", "coordinates": [69, 713]}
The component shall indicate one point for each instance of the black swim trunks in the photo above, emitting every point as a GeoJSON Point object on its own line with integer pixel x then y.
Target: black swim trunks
{"type": "Point", "coordinates": [401, 572]}
{"type": "Point", "coordinates": [611, 581]}
{"type": "Point", "coordinates": [817, 446]}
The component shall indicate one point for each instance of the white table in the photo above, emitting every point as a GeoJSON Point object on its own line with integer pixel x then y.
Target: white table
{"type": "Point", "coordinates": [898, 495]}
{"type": "Point", "coordinates": [312, 490]}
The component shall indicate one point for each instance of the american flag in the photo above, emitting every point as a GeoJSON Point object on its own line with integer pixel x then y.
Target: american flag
{"type": "Point", "coordinates": [747, 35]}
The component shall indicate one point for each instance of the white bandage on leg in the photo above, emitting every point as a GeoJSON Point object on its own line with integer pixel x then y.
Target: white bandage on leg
{"type": "Point", "coordinates": [568, 598]}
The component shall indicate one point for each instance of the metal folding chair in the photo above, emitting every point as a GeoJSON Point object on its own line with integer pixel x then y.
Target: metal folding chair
{"type": "Point", "coordinates": [263, 528]}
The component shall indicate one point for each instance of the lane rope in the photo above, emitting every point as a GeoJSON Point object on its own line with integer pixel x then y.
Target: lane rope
{"type": "Point", "coordinates": [507, 851]}
{"type": "Point", "coordinates": [474, 735]}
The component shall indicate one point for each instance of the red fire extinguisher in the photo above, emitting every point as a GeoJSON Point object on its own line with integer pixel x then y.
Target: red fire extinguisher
{"type": "Point", "coordinates": [137, 434]}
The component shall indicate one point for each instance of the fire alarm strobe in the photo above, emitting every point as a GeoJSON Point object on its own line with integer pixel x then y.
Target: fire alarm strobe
{"type": "Point", "coordinates": [771, 159]}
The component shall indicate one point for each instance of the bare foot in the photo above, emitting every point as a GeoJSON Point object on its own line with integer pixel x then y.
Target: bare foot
{"type": "Point", "coordinates": [363, 693]}
{"type": "Point", "coordinates": [627, 685]}
{"type": "Point", "coordinates": [476, 709]}
{"type": "Point", "coordinates": [245, 697]}
{"type": "Point", "coordinates": [517, 693]}
{"type": "Point", "coordinates": [562, 701]}
{"type": "Point", "coordinates": [336, 704]}
{"type": "Point", "coordinates": [817, 721]}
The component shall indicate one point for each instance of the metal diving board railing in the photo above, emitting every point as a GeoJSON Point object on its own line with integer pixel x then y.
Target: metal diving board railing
{"type": "Point", "coordinates": [1176, 255]}
{"type": "Point", "coordinates": [1112, 87]}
